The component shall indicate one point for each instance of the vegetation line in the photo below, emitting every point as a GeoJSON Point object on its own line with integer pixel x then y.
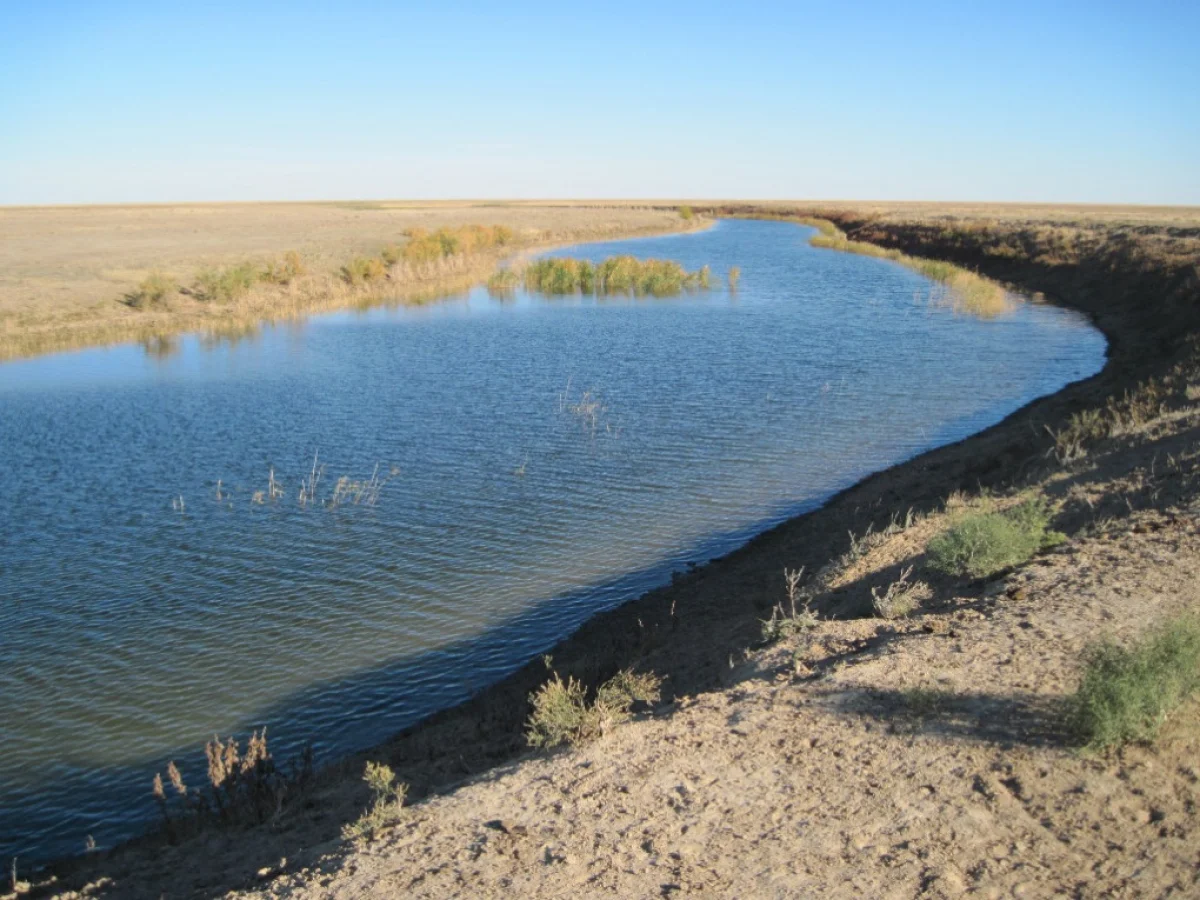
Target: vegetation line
{"type": "Point", "coordinates": [966, 290]}
{"type": "Point", "coordinates": [234, 300]}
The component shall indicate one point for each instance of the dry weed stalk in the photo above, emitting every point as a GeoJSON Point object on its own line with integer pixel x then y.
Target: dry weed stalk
{"type": "Point", "coordinates": [901, 598]}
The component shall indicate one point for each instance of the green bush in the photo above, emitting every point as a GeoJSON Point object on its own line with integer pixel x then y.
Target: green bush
{"type": "Point", "coordinates": [983, 543]}
{"type": "Point", "coordinates": [224, 285]}
{"type": "Point", "coordinates": [561, 713]}
{"type": "Point", "coordinates": [1128, 692]}
{"type": "Point", "coordinates": [685, 213]}
{"type": "Point", "coordinates": [615, 275]}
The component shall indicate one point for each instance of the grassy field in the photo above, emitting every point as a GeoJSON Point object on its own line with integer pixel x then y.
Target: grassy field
{"type": "Point", "coordinates": [77, 276]}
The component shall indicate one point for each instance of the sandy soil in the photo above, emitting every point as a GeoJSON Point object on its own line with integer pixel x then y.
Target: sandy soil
{"type": "Point", "coordinates": [813, 774]}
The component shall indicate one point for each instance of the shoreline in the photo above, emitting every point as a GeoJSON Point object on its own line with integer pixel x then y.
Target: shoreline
{"type": "Point", "coordinates": [688, 629]}
{"type": "Point", "coordinates": [109, 322]}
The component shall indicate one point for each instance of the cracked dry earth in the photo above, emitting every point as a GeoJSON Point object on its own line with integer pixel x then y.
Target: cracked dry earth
{"type": "Point", "coordinates": [918, 758]}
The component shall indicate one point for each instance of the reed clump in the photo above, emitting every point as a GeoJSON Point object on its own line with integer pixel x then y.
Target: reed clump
{"type": "Point", "coordinates": [428, 246]}
{"type": "Point", "coordinates": [503, 283]}
{"type": "Point", "coordinates": [152, 291]}
{"type": "Point", "coordinates": [735, 276]}
{"type": "Point", "coordinates": [615, 275]}
{"type": "Point", "coordinates": [362, 270]}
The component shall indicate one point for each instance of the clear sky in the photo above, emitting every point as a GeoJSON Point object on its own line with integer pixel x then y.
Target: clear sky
{"type": "Point", "coordinates": [1022, 101]}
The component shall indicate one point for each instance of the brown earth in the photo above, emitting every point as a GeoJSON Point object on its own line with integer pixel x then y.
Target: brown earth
{"type": "Point", "coordinates": [924, 755]}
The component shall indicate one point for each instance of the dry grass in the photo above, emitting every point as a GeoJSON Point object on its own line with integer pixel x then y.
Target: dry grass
{"type": "Point", "coordinates": [65, 272]}
{"type": "Point", "coordinates": [966, 291]}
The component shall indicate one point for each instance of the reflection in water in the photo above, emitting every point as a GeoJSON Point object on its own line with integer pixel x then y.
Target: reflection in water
{"type": "Point", "coordinates": [160, 346]}
{"type": "Point", "coordinates": [528, 463]}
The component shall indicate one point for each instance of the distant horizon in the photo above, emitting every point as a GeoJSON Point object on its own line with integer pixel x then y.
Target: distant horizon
{"type": "Point", "coordinates": [128, 102]}
{"type": "Point", "coordinates": [664, 201]}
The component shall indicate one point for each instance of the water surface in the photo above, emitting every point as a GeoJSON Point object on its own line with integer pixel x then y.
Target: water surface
{"type": "Point", "coordinates": [545, 459]}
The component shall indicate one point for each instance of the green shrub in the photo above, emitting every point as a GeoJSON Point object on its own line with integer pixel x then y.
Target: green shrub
{"type": "Point", "coordinates": [685, 213]}
{"type": "Point", "coordinates": [615, 275]}
{"type": "Point", "coordinates": [152, 291]}
{"type": "Point", "coordinates": [386, 803]}
{"type": "Point", "coordinates": [562, 714]}
{"type": "Point", "coordinates": [983, 543]}
{"type": "Point", "coordinates": [1128, 692]}
{"type": "Point", "coordinates": [224, 285]}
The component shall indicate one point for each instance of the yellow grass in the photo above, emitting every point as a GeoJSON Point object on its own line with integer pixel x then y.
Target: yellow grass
{"type": "Point", "coordinates": [66, 273]}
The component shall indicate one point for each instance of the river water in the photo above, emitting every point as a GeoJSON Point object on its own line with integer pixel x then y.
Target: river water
{"type": "Point", "coordinates": [535, 460]}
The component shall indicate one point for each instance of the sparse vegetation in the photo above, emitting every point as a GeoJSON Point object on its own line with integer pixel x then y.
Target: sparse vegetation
{"type": "Point", "coordinates": [924, 701]}
{"type": "Point", "coordinates": [1120, 415]}
{"type": "Point", "coordinates": [241, 784]}
{"type": "Point", "coordinates": [387, 803]}
{"type": "Point", "coordinates": [1128, 692]}
{"type": "Point", "coordinates": [563, 715]}
{"type": "Point", "coordinates": [902, 597]}
{"type": "Point", "coordinates": [967, 291]}
{"type": "Point", "coordinates": [797, 616]}
{"type": "Point", "coordinates": [982, 543]}
{"type": "Point", "coordinates": [152, 291]}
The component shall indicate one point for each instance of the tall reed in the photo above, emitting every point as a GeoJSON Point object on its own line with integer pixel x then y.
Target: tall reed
{"type": "Point", "coordinates": [614, 275]}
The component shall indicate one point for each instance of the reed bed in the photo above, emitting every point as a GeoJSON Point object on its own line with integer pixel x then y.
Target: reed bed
{"type": "Point", "coordinates": [616, 275]}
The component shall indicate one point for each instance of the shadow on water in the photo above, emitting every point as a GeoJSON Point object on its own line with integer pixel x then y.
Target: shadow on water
{"type": "Point", "coordinates": [387, 699]}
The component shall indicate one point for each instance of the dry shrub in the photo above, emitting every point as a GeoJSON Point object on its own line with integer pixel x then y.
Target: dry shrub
{"type": "Point", "coordinates": [241, 784]}
{"type": "Point", "coordinates": [562, 714]}
{"type": "Point", "coordinates": [901, 598]}
{"type": "Point", "coordinates": [387, 803]}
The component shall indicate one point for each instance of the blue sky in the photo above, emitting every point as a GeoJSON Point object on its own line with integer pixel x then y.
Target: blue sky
{"type": "Point", "coordinates": [113, 102]}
